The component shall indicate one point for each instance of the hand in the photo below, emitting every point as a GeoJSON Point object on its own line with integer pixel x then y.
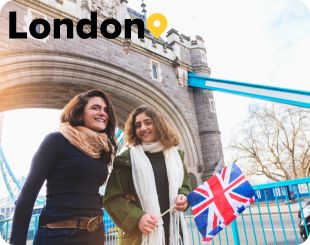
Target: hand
{"type": "Point", "coordinates": [147, 223]}
{"type": "Point", "coordinates": [181, 202]}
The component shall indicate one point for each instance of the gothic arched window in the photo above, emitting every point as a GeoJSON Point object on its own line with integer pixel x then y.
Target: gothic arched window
{"type": "Point", "coordinates": [155, 71]}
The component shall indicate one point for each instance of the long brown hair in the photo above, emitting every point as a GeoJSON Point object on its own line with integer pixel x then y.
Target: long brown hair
{"type": "Point", "coordinates": [167, 136]}
{"type": "Point", "coordinates": [75, 108]}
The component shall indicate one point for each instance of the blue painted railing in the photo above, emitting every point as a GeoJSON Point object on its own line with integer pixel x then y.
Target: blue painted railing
{"type": "Point", "coordinates": [110, 228]}
{"type": "Point", "coordinates": [274, 218]}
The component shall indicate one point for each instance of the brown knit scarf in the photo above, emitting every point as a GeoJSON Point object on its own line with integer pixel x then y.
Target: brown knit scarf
{"type": "Point", "coordinates": [86, 140]}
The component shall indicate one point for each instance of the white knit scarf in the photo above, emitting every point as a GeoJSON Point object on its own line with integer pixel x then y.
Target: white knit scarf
{"type": "Point", "coordinates": [144, 182]}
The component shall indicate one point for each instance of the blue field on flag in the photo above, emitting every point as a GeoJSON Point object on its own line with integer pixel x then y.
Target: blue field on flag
{"type": "Point", "coordinates": [219, 200]}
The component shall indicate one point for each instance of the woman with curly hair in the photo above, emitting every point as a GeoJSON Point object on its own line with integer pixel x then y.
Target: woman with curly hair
{"type": "Point", "coordinates": [147, 180]}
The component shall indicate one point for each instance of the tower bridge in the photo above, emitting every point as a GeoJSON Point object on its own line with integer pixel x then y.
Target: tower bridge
{"type": "Point", "coordinates": [46, 73]}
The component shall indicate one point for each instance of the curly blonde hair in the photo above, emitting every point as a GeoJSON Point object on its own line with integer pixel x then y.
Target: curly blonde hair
{"type": "Point", "coordinates": [167, 136]}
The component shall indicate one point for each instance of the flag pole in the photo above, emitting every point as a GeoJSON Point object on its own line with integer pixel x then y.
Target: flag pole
{"type": "Point", "coordinates": [168, 210]}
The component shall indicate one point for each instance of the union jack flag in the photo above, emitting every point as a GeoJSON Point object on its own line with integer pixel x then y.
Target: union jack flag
{"type": "Point", "coordinates": [219, 200]}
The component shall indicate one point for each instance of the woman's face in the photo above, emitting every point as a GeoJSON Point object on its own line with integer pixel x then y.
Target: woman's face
{"type": "Point", "coordinates": [95, 115]}
{"type": "Point", "coordinates": [145, 129]}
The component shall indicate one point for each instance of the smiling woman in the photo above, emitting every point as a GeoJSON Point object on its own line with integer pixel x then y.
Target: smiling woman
{"type": "Point", "coordinates": [74, 163]}
{"type": "Point", "coordinates": [145, 129]}
{"type": "Point", "coordinates": [95, 114]}
{"type": "Point", "coordinates": [147, 180]}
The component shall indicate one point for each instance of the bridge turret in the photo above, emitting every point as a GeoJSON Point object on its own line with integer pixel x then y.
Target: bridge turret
{"type": "Point", "coordinates": [199, 56]}
{"type": "Point", "coordinates": [180, 44]}
{"type": "Point", "coordinates": [209, 133]}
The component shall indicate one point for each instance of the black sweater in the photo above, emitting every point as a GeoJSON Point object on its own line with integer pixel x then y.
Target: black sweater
{"type": "Point", "coordinates": [72, 188]}
{"type": "Point", "coordinates": [162, 186]}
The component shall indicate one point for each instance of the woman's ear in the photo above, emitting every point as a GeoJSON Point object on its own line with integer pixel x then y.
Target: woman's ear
{"type": "Point", "coordinates": [80, 119]}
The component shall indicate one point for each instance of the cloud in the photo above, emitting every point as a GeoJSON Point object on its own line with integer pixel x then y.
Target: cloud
{"type": "Point", "coordinates": [307, 3]}
{"type": "Point", "coordinates": [289, 33]}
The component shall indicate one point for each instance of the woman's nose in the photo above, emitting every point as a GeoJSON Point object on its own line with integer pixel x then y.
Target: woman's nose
{"type": "Point", "coordinates": [143, 127]}
{"type": "Point", "coordinates": [103, 112]}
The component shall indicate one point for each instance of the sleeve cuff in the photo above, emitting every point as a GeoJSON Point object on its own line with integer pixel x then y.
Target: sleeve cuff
{"type": "Point", "coordinates": [132, 219]}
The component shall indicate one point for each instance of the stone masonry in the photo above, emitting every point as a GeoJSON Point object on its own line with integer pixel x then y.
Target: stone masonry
{"type": "Point", "coordinates": [47, 73]}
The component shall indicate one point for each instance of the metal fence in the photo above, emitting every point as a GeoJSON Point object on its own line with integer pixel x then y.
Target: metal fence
{"type": "Point", "coordinates": [280, 215]}
{"type": "Point", "coordinates": [274, 218]}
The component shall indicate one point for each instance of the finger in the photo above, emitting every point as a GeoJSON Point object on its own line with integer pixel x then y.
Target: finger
{"type": "Point", "coordinates": [177, 207]}
{"type": "Point", "coordinates": [182, 202]}
{"type": "Point", "coordinates": [180, 207]}
{"type": "Point", "coordinates": [151, 220]}
{"type": "Point", "coordinates": [181, 196]}
{"type": "Point", "coordinates": [153, 217]}
{"type": "Point", "coordinates": [150, 227]}
{"type": "Point", "coordinates": [152, 223]}
{"type": "Point", "coordinates": [148, 230]}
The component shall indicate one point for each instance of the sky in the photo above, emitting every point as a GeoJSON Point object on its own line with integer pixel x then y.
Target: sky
{"type": "Point", "coordinates": [255, 41]}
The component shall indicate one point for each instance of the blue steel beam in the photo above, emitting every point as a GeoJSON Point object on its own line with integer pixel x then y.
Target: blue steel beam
{"type": "Point", "coordinates": [263, 92]}
{"type": "Point", "coordinates": [7, 176]}
{"type": "Point", "coordinates": [12, 184]}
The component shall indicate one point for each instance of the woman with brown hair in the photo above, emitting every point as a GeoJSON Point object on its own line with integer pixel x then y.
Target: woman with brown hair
{"type": "Point", "coordinates": [74, 162]}
{"type": "Point", "coordinates": [147, 180]}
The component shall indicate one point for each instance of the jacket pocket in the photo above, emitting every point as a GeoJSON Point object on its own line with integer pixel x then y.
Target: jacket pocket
{"type": "Point", "coordinates": [134, 238]}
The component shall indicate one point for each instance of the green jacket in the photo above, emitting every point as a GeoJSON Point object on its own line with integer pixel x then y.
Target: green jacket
{"type": "Point", "coordinates": [126, 214]}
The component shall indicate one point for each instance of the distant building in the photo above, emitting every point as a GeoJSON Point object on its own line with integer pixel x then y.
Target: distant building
{"type": "Point", "coordinates": [6, 207]}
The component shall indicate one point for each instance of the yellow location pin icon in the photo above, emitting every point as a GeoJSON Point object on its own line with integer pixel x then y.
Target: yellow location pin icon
{"type": "Point", "coordinates": [157, 24]}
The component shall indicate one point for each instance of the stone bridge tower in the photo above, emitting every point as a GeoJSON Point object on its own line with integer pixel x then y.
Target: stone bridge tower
{"type": "Point", "coordinates": [47, 72]}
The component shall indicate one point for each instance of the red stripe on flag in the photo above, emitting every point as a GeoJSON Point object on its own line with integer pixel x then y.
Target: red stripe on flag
{"type": "Point", "coordinates": [252, 200]}
{"type": "Point", "coordinates": [235, 182]}
{"type": "Point", "coordinates": [202, 206]}
{"type": "Point", "coordinates": [202, 191]}
{"type": "Point", "coordinates": [214, 220]}
{"type": "Point", "coordinates": [223, 172]}
{"type": "Point", "coordinates": [220, 199]}
{"type": "Point", "coordinates": [206, 239]}
{"type": "Point", "coordinates": [238, 198]}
